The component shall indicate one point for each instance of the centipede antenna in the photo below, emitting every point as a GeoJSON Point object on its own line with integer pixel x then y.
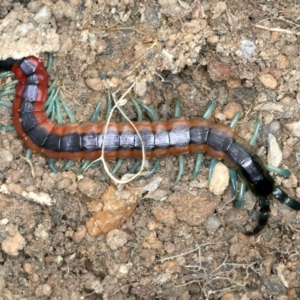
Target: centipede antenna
{"type": "Point", "coordinates": [197, 167]}
{"type": "Point", "coordinates": [177, 112]}
{"type": "Point", "coordinates": [233, 178]}
{"type": "Point", "coordinates": [279, 171]}
{"type": "Point", "coordinates": [181, 168]}
{"type": "Point", "coordinates": [256, 132]}
{"type": "Point", "coordinates": [263, 216]}
{"type": "Point", "coordinates": [6, 104]}
{"type": "Point", "coordinates": [285, 199]}
{"type": "Point", "coordinates": [209, 110]}
{"type": "Point", "coordinates": [212, 166]}
{"type": "Point", "coordinates": [239, 201]}
{"type": "Point", "coordinates": [138, 109]}
{"type": "Point", "coordinates": [235, 120]}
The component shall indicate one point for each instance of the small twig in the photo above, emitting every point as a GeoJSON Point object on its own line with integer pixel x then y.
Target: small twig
{"type": "Point", "coordinates": [275, 29]}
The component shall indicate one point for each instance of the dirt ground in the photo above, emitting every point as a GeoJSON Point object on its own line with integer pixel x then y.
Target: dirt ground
{"type": "Point", "coordinates": [180, 242]}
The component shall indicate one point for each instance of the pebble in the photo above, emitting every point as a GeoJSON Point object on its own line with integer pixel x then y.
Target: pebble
{"type": "Point", "coordinates": [43, 15]}
{"type": "Point", "coordinates": [2, 285]}
{"type": "Point", "coordinates": [294, 128]}
{"type": "Point", "coordinates": [218, 71]}
{"type": "Point", "coordinates": [91, 188]}
{"type": "Point", "coordinates": [282, 62]}
{"type": "Point", "coordinates": [212, 223]}
{"type": "Point", "coordinates": [6, 157]}
{"type": "Point", "coordinates": [219, 180]}
{"type": "Point", "coordinates": [231, 109]}
{"type": "Point", "coordinates": [113, 211]}
{"type": "Point", "coordinates": [194, 209]}
{"type": "Point", "coordinates": [218, 9]}
{"type": "Point", "coordinates": [268, 81]}
{"type": "Point", "coordinates": [248, 47]}
{"type": "Point", "coordinates": [116, 238]}
{"type": "Point", "coordinates": [274, 152]}
{"type": "Point", "coordinates": [165, 214]}
{"type": "Point", "coordinates": [14, 242]}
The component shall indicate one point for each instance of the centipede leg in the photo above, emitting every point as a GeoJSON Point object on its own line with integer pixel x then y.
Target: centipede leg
{"type": "Point", "coordinates": [233, 175]}
{"type": "Point", "coordinates": [233, 178]}
{"type": "Point", "coordinates": [212, 165]}
{"type": "Point", "coordinates": [153, 116]}
{"type": "Point", "coordinates": [181, 168]}
{"type": "Point", "coordinates": [197, 167]}
{"type": "Point", "coordinates": [263, 216]}
{"type": "Point", "coordinates": [181, 158]}
{"type": "Point", "coordinates": [200, 156]}
{"type": "Point", "coordinates": [134, 167]}
{"type": "Point", "coordinates": [153, 170]}
{"type": "Point", "coordinates": [5, 90]}
{"type": "Point", "coordinates": [55, 169]}
{"type": "Point", "coordinates": [238, 203]}
{"type": "Point", "coordinates": [285, 199]}
{"type": "Point", "coordinates": [279, 171]}
{"type": "Point", "coordinates": [256, 131]}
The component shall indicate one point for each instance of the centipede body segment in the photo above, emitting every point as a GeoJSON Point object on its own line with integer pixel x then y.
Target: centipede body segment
{"type": "Point", "coordinates": [175, 137]}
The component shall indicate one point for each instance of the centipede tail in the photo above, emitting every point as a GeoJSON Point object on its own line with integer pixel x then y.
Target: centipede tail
{"type": "Point", "coordinates": [285, 199]}
{"type": "Point", "coordinates": [177, 136]}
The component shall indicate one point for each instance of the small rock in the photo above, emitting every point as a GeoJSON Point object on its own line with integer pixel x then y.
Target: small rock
{"type": "Point", "coordinates": [274, 152]}
{"type": "Point", "coordinates": [116, 238]}
{"type": "Point", "coordinates": [140, 88]}
{"type": "Point", "coordinates": [268, 81]}
{"type": "Point", "coordinates": [194, 209]}
{"type": "Point", "coordinates": [13, 242]}
{"type": "Point", "coordinates": [218, 9]}
{"type": "Point", "coordinates": [28, 268]}
{"type": "Point", "coordinates": [2, 285]}
{"type": "Point", "coordinates": [294, 128]}
{"type": "Point", "coordinates": [90, 188]}
{"type": "Point", "coordinates": [219, 180]}
{"type": "Point", "coordinates": [43, 15]}
{"type": "Point", "coordinates": [282, 62]}
{"type": "Point", "coordinates": [233, 83]}
{"type": "Point", "coordinates": [248, 47]}
{"type": "Point", "coordinates": [165, 214]}
{"type": "Point", "coordinates": [212, 223]}
{"type": "Point", "coordinates": [231, 109]}
{"type": "Point", "coordinates": [218, 71]}
{"type": "Point", "coordinates": [94, 84]}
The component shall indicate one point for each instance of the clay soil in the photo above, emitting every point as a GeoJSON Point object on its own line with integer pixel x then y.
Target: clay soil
{"type": "Point", "coordinates": [182, 241]}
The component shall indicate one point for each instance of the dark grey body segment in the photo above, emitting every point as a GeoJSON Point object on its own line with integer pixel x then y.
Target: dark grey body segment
{"type": "Point", "coordinates": [219, 140]}
{"type": "Point", "coordinates": [199, 135]}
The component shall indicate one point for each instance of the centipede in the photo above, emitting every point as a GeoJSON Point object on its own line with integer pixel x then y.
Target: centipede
{"type": "Point", "coordinates": [177, 136]}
